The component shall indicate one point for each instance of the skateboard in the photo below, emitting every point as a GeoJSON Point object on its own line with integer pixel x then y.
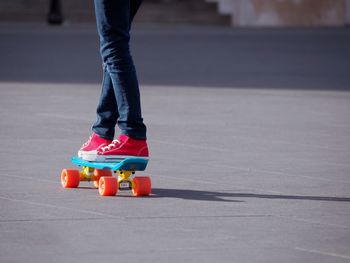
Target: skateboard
{"type": "Point", "coordinates": [109, 177]}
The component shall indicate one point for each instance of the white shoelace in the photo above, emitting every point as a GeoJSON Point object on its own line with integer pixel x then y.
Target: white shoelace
{"type": "Point", "coordinates": [111, 146]}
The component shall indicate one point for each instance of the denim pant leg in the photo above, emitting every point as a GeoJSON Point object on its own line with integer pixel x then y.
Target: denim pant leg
{"type": "Point", "coordinates": [114, 19]}
{"type": "Point", "coordinates": [107, 110]}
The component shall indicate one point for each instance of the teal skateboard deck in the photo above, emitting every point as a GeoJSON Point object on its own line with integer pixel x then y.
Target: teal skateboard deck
{"type": "Point", "coordinates": [132, 163]}
{"type": "Point", "coordinates": [109, 177]}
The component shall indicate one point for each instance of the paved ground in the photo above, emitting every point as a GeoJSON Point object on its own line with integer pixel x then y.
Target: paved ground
{"type": "Point", "coordinates": [250, 142]}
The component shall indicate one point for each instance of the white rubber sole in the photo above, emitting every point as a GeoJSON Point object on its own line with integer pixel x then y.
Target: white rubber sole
{"type": "Point", "coordinates": [92, 156]}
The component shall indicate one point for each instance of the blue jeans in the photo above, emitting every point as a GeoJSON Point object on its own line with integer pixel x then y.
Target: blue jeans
{"type": "Point", "coordinates": [120, 96]}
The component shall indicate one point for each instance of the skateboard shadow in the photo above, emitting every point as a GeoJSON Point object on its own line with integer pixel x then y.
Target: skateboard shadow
{"type": "Point", "coordinates": [223, 196]}
{"type": "Point", "coordinates": [193, 195]}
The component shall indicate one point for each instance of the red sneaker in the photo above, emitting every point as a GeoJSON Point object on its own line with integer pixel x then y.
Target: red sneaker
{"type": "Point", "coordinates": [119, 149]}
{"type": "Point", "coordinates": [94, 143]}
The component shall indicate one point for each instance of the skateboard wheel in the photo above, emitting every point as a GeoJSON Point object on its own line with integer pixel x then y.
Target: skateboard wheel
{"type": "Point", "coordinates": [108, 186]}
{"type": "Point", "coordinates": [70, 178]}
{"type": "Point", "coordinates": [141, 186]}
{"type": "Point", "coordinates": [98, 173]}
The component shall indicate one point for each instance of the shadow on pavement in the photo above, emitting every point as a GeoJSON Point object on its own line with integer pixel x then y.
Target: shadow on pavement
{"type": "Point", "coordinates": [184, 56]}
{"type": "Point", "coordinates": [219, 196]}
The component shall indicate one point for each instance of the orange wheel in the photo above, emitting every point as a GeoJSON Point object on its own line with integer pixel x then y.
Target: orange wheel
{"type": "Point", "coordinates": [70, 178]}
{"type": "Point", "coordinates": [99, 173]}
{"type": "Point", "coordinates": [142, 186]}
{"type": "Point", "coordinates": [108, 186]}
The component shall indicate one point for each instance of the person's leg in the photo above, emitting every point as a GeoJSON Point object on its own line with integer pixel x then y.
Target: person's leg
{"type": "Point", "coordinates": [107, 110]}
{"type": "Point", "coordinates": [113, 23]}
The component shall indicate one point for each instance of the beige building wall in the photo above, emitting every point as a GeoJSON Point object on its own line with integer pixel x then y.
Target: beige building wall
{"type": "Point", "coordinates": [347, 18]}
{"type": "Point", "coordinates": [279, 13]}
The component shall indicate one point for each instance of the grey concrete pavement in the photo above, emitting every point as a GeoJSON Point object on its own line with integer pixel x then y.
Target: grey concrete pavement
{"type": "Point", "coordinates": [249, 160]}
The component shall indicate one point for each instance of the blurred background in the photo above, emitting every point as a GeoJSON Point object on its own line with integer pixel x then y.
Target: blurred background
{"type": "Point", "coordinates": [236, 13]}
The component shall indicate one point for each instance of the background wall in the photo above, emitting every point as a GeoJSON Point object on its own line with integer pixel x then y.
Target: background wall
{"type": "Point", "coordinates": [286, 12]}
{"type": "Point", "coordinates": [237, 13]}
